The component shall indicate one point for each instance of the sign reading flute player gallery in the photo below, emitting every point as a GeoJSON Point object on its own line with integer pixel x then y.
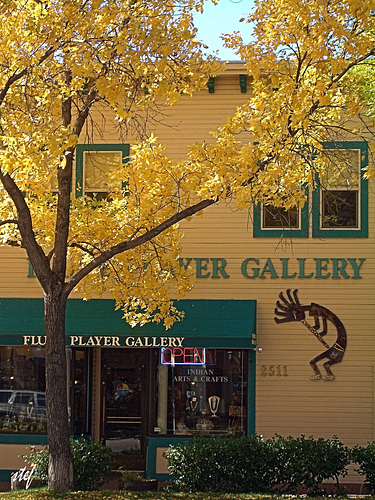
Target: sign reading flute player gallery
{"type": "Point", "coordinates": [109, 341]}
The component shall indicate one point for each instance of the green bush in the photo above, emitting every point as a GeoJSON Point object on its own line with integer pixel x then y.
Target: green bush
{"type": "Point", "coordinates": [91, 463]}
{"type": "Point", "coordinates": [311, 461]}
{"type": "Point", "coordinates": [254, 464]}
{"type": "Point", "coordinates": [228, 465]}
{"type": "Point", "coordinates": [365, 458]}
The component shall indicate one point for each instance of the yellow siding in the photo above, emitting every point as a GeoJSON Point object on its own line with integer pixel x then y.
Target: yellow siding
{"type": "Point", "coordinates": [10, 456]}
{"type": "Point", "coordinates": [295, 404]}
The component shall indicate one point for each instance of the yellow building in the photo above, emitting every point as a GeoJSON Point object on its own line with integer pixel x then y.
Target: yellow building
{"type": "Point", "coordinates": [229, 366]}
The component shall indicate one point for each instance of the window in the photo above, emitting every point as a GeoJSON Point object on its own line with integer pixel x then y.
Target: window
{"type": "Point", "coordinates": [205, 397]}
{"type": "Point", "coordinates": [279, 218]}
{"type": "Point", "coordinates": [340, 202]}
{"type": "Point", "coordinates": [95, 162]}
{"type": "Point", "coordinates": [271, 221]}
{"type": "Point", "coordinates": [22, 385]}
{"type": "Point", "coordinates": [22, 390]}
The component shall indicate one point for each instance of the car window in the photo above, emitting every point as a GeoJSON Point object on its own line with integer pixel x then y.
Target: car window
{"type": "Point", "coordinates": [23, 398]}
{"type": "Point", "coordinates": [41, 398]}
{"type": "Point", "coordinates": [4, 396]}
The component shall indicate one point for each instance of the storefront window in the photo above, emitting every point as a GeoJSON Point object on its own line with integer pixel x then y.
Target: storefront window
{"type": "Point", "coordinates": [202, 391]}
{"type": "Point", "coordinates": [79, 396]}
{"type": "Point", "coordinates": [22, 390]}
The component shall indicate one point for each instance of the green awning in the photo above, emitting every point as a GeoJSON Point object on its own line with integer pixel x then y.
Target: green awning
{"type": "Point", "coordinates": [207, 323]}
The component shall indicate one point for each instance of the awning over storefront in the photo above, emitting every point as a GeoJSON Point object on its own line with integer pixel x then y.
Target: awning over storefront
{"type": "Point", "coordinates": [207, 323]}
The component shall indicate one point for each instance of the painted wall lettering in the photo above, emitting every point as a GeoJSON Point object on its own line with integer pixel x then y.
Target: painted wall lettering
{"type": "Point", "coordinates": [284, 267]}
{"type": "Point", "coordinates": [319, 268]}
{"type": "Point", "coordinates": [206, 267]}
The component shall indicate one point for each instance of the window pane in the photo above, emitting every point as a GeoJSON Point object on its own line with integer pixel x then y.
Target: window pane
{"type": "Point", "coordinates": [22, 390]}
{"type": "Point", "coordinates": [98, 165]}
{"type": "Point", "coordinates": [339, 209]}
{"type": "Point", "coordinates": [98, 196]}
{"type": "Point", "coordinates": [343, 171]}
{"type": "Point", "coordinates": [278, 217]}
{"type": "Point", "coordinates": [209, 398]}
{"type": "Point", "coordinates": [78, 409]}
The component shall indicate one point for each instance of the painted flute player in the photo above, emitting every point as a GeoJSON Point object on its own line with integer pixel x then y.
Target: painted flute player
{"type": "Point", "coordinates": [290, 309]}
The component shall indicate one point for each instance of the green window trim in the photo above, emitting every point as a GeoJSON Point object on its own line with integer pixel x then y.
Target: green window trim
{"type": "Point", "coordinates": [285, 232]}
{"type": "Point", "coordinates": [317, 231]}
{"type": "Point", "coordinates": [362, 230]}
{"type": "Point", "coordinates": [81, 148]}
{"type": "Point", "coordinates": [243, 83]}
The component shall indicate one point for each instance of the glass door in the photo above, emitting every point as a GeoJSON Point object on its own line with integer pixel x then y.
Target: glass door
{"type": "Point", "coordinates": [123, 375]}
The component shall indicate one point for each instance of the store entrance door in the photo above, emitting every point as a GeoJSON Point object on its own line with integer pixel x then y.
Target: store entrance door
{"type": "Point", "coordinates": [123, 376]}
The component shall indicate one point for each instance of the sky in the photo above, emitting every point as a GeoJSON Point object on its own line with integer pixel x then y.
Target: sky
{"type": "Point", "coordinates": [222, 18]}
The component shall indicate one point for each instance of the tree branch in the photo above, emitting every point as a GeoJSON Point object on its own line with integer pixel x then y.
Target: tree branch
{"type": "Point", "coordinates": [17, 76]}
{"type": "Point", "coordinates": [35, 253]}
{"type": "Point", "coordinates": [9, 221]}
{"type": "Point", "coordinates": [134, 243]}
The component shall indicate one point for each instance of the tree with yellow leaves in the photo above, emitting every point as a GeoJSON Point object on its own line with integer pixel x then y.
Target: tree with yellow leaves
{"type": "Point", "coordinates": [306, 92]}
{"type": "Point", "coordinates": [62, 60]}
{"type": "Point", "coordinates": [58, 61]}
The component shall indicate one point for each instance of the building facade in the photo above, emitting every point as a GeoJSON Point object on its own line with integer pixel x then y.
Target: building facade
{"type": "Point", "coordinates": [278, 331]}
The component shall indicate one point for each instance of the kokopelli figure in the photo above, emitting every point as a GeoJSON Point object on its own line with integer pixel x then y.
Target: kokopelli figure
{"type": "Point", "coordinates": [290, 309]}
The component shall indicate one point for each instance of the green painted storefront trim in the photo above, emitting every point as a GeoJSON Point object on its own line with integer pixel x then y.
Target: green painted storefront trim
{"type": "Point", "coordinates": [5, 475]}
{"type": "Point", "coordinates": [19, 439]}
{"type": "Point", "coordinates": [14, 438]}
{"type": "Point", "coordinates": [207, 323]}
{"type": "Point", "coordinates": [152, 443]}
{"type": "Point", "coordinates": [251, 387]}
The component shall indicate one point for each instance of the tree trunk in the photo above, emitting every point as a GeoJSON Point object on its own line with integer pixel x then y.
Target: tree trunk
{"type": "Point", "coordinates": [60, 470]}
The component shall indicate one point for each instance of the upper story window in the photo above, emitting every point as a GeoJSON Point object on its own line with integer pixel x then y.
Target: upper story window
{"type": "Point", "coordinates": [95, 163]}
{"type": "Point", "coordinates": [271, 221]}
{"type": "Point", "coordinates": [339, 204]}
{"type": "Point", "coordinates": [278, 217]}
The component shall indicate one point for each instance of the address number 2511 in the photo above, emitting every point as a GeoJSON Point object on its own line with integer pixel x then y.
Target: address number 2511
{"type": "Point", "coordinates": [274, 370]}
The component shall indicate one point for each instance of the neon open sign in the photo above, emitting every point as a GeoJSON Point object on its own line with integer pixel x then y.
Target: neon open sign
{"type": "Point", "coordinates": [183, 356]}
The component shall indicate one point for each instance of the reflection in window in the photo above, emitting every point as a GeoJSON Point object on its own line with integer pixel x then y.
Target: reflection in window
{"type": "Point", "coordinates": [340, 189]}
{"type": "Point", "coordinates": [279, 217]}
{"type": "Point", "coordinates": [204, 399]}
{"type": "Point", "coordinates": [98, 166]}
{"type": "Point", "coordinates": [78, 364]}
{"type": "Point", "coordinates": [22, 390]}
{"type": "Point", "coordinates": [339, 209]}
